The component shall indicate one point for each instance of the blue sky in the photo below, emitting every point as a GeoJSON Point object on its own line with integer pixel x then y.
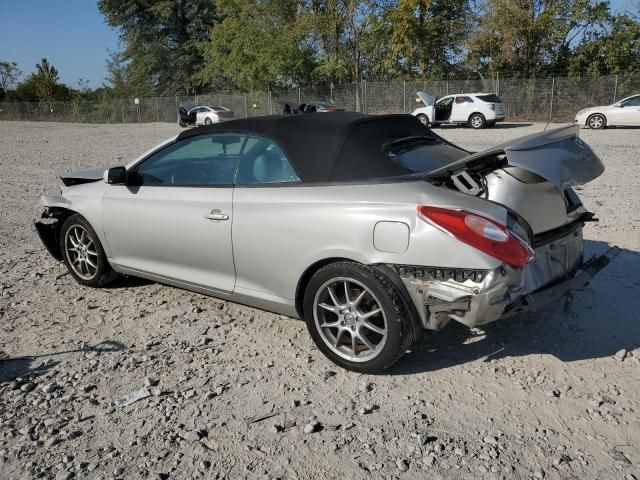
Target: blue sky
{"type": "Point", "coordinates": [73, 36]}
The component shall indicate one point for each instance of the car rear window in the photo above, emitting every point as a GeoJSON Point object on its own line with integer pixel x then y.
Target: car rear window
{"type": "Point", "coordinates": [491, 98]}
{"type": "Point", "coordinates": [423, 154]}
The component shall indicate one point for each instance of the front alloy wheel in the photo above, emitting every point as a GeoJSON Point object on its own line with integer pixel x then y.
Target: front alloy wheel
{"type": "Point", "coordinates": [357, 318]}
{"type": "Point", "coordinates": [83, 254]}
{"type": "Point", "coordinates": [596, 121]}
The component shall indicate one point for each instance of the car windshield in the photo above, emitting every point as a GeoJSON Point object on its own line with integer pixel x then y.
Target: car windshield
{"type": "Point", "coordinates": [423, 154]}
{"type": "Point", "coordinates": [492, 98]}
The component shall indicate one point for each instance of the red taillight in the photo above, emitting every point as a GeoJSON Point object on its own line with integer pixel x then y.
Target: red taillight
{"type": "Point", "coordinates": [486, 235]}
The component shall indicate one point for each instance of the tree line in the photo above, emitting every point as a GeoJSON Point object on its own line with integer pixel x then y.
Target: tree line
{"type": "Point", "coordinates": [171, 47]}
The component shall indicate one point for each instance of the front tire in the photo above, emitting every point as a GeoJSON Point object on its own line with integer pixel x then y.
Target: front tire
{"type": "Point", "coordinates": [477, 121]}
{"type": "Point", "coordinates": [597, 121]}
{"type": "Point", "coordinates": [357, 318]}
{"type": "Point", "coordinates": [423, 119]}
{"type": "Point", "coordinates": [83, 254]}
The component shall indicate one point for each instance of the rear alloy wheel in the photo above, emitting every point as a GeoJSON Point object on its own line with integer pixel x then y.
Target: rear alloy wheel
{"type": "Point", "coordinates": [207, 121]}
{"type": "Point", "coordinates": [423, 119]}
{"type": "Point", "coordinates": [477, 121]}
{"type": "Point", "coordinates": [597, 121]}
{"type": "Point", "coordinates": [356, 317]}
{"type": "Point", "coordinates": [83, 254]}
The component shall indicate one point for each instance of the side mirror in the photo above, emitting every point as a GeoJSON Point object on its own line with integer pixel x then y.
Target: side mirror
{"type": "Point", "coordinates": [117, 176]}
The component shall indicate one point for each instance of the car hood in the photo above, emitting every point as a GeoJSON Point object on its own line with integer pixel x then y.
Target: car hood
{"type": "Point", "coordinates": [83, 176]}
{"type": "Point", "coordinates": [428, 99]}
{"type": "Point", "coordinates": [559, 156]}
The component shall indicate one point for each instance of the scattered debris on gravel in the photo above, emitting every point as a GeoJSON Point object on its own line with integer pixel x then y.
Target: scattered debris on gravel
{"type": "Point", "coordinates": [145, 381]}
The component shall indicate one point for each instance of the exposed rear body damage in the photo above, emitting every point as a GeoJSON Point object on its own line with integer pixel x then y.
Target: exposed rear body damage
{"type": "Point", "coordinates": [531, 176]}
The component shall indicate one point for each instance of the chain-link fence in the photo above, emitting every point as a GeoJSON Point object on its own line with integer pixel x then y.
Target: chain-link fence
{"type": "Point", "coordinates": [536, 99]}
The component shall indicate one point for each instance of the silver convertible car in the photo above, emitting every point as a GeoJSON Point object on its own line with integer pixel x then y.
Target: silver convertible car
{"type": "Point", "coordinates": [371, 228]}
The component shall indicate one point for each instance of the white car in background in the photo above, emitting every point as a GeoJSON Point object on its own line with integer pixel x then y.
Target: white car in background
{"type": "Point", "coordinates": [478, 110]}
{"type": "Point", "coordinates": [203, 115]}
{"type": "Point", "coordinates": [626, 112]}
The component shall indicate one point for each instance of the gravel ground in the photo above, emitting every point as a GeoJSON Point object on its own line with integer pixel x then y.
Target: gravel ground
{"type": "Point", "coordinates": [240, 393]}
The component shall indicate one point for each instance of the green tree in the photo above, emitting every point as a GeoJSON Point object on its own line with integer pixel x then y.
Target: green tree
{"type": "Point", "coordinates": [615, 49]}
{"type": "Point", "coordinates": [427, 37]}
{"type": "Point", "coordinates": [162, 41]}
{"type": "Point", "coordinates": [525, 37]}
{"type": "Point", "coordinates": [117, 81]}
{"type": "Point", "coordinates": [257, 45]}
{"type": "Point", "coordinates": [9, 73]}
{"type": "Point", "coordinates": [46, 83]}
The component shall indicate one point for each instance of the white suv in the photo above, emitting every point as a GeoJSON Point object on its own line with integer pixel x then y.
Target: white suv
{"type": "Point", "coordinates": [478, 110]}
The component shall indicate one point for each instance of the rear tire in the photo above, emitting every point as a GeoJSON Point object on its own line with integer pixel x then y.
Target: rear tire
{"type": "Point", "coordinates": [477, 121]}
{"type": "Point", "coordinates": [597, 121]}
{"type": "Point", "coordinates": [356, 317]}
{"type": "Point", "coordinates": [207, 121]}
{"type": "Point", "coordinates": [423, 119]}
{"type": "Point", "coordinates": [83, 254]}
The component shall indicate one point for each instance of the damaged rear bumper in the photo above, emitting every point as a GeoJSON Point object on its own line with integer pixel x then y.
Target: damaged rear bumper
{"type": "Point", "coordinates": [478, 297]}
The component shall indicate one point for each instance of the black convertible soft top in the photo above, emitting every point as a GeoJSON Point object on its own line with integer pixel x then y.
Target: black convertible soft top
{"type": "Point", "coordinates": [325, 147]}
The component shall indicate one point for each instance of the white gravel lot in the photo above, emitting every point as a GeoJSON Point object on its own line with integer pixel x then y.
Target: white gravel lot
{"type": "Point", "coordinates": [551, 395]}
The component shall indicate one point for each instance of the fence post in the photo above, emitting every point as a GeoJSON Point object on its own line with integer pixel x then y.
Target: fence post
{"type": "Point", "coordinates": [270, 103]}
{"type": "Point", "coordinates": [553, 85]}
{"type": "Point", "coordinates": [331, 92]}
{"type": "Point", "coordinates": [122, 109]}
{"type": "Point", "coordinates": [299, 96]}
{"type": "Point", "coordinates": [615, 90]}
{"type": "Point", "coordinates": [404, 96]}
{"type": "Point", "coordinates": [246, 111]}
{"type": "Point", "coordinates": [157, 111]}
{"type": "Point", "coordinates": [447, 87]}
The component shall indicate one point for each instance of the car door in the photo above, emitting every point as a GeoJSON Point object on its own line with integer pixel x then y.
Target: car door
{"type": "Point", "coordinates": [173, 217]}
{"type": "Point", "coordinates": [201, 115]}
{"type": "Point", "coordinates": [461, 109]}
{"type": "Point", "coordinates": [443, 109]}
{"type": "Point", "coordinates": [627, 112]}
{"type": "Point", "coordinates": [264, 213]}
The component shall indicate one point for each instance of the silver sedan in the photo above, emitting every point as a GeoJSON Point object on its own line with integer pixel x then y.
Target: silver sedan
{"type": "Point", "coordinates": [371, 228]}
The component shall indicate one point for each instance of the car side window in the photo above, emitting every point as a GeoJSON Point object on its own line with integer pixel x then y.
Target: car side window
{"type": "Point", "coordinates": [198, 161]}
{"type": "Point", "coordinates": [632, 102]}
{"type": "Point", "coordinates": [264, 162]}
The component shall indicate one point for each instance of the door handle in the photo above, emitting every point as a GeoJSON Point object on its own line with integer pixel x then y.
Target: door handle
{"type": "Point", "coordinates": [216, 215]}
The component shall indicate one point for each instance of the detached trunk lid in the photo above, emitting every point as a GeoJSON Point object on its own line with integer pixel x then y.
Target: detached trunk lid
{"type": "Point", "coordinates": [532, 176]}
{"type": "Point", "coordinates": [559, 156]}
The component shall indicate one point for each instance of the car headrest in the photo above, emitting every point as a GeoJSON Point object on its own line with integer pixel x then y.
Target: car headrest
{"type": "Point", "coordinates": [266, 166]}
